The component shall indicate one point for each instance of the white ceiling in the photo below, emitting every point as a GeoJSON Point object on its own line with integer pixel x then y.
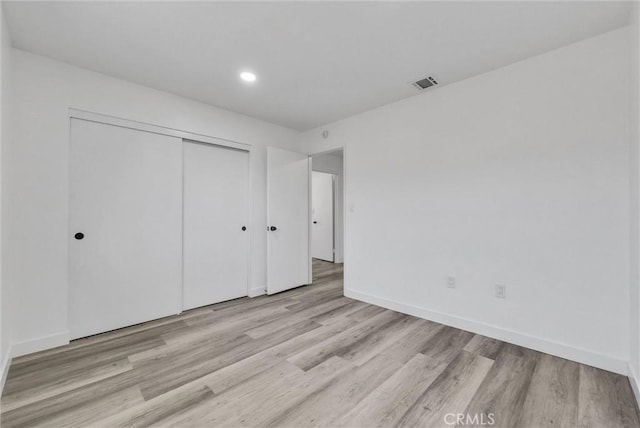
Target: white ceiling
{"type": "Point", "coordinates": [316, 61]}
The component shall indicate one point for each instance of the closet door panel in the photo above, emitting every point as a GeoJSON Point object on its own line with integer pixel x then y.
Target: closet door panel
{"type": "Point", "coordinates": [125, 219]}
{"type": "Point", "coordinates": [215, 212]}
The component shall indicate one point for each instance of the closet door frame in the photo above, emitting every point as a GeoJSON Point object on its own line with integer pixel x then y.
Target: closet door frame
{"type": "Point", "coordinates": [184, 135]}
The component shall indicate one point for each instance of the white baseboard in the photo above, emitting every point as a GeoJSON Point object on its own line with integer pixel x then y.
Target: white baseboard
{"type": "Point", "coordinates": [6, 362]}
{"type": "Point", "coordinates": [633, 380]}
{"type": "Point", "coordinates": [257, 291]}
{"type": "Point", "coordinates": [584, 356]}
{"type": "Point", "coordinates": [39, 344]}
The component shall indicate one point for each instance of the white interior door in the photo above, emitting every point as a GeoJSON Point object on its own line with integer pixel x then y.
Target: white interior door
{"type": "Point", "coordinates": [322, 216]}
{"type": "Point", "coordinates": [215, 212]}
{"type": "Point", "coordinates": [125, 219]}
{"type": "Point", "coordinates": [288, 220]}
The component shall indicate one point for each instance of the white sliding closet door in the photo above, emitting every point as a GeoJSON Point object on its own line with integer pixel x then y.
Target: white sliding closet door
{"type": "Point", "coordinates": [125, 219]}
{"type": "Point", "coordinates": [216, 239]}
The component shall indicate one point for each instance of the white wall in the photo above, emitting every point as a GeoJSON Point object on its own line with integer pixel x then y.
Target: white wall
{"type": "Point", "coordinates": [519, 176]}
{"type": "Point", "coordinates": [5, 94]}
{"type": "Point", "coordinates": [37, 174]}
{"type": "Point", "coordinates": [634, 363]}
{"type": "Point", "coordinates": [332, 164]}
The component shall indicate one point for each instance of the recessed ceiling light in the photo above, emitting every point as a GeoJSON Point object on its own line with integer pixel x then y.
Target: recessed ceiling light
{"type": "Point", "coordinates": [247, 76]}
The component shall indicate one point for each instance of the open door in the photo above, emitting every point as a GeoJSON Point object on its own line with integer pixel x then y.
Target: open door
{"type": "Point", "coordinates": [288, 220]}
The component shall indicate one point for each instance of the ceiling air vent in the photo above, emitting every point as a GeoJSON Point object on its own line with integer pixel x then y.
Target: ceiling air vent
{"type": "Point", "coordinates": [425, 83]}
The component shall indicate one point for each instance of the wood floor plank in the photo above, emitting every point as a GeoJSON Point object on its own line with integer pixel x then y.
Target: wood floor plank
{"type": "Point", "coordinates": [71, 404]}
{"type": "Point", "coordinates": [552, 397]}
{"type": "Point", "coordinates": [239, 406]}
{"type": "Point", "coordinates": [366, 313]}
{"type": "Point", "coordinates": [234, 374]}
{"type": "Point", "coordinates": [484, 346]}
{"type": "Point", "coordinates": [450, 392]}
{"type": "Point", "coordinates": [503, 392]}
{"type": "Point", "coordinates": [320, 294]}
{"type": "Point", "coordinates": [69, 366]}
{"type": "Point", "coordinates": [93, 411]}
{"type": "Point", "coordinates": [154, 412]}
{"type": "Point", "coordinates": [387, 404]}
{"type": "Point", "coordinates": [241, 312]}
{"type": "Point", "coordinates": [325, 405]}
{"type": "Point", "coordinates": [234, 322]}
{"type": "Point", "coordinates": [267, 412]}
{"type": "Point", "coordinates": [295, 317]}
{"type": "Point", "coordinates": [189, 353]}
{"type": "Point", "coordinates": [371, 345]}
{"type": "Point", "coordinates": [190, 369]}
{"type": "Point", "coordinates": [341, 343]}
{"type": "Point", "coordinates": [605, 400]}
{"type": "Point", "coordinates": [79, 379]}
{"type": "Point", "coordinates": [446, 344]}
{"type": "Point", "coordinates": [90, 342]}
{"type": "Point", "coordinates": [115, 348]}
{"type": "Point", "coordinates": [408, 345]}
{"type": "Point", "coordinates": [348, 391]}
{"type": "Point", "coordinates": [345, 310]}
{"type": "Point", "coordinates": [264, 383]}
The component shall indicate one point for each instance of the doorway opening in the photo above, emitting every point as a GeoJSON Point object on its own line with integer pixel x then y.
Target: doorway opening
{"type": "Point", "coordinates": [327, 219]}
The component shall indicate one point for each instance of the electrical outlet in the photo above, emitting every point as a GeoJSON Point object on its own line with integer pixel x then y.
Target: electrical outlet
{"type": "Point", "coordinates": [501, 291]}
{"type": "Point", "coordinates": [451, 281]}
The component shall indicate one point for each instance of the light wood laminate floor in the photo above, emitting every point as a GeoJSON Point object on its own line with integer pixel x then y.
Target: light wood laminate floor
{"type": "Point", "coordinates": [305, 358]}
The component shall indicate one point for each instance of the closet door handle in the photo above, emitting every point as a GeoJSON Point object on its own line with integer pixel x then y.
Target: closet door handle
{"type": "Point", "coordinates": [244, 228]}
{"type": "Point", "coordinates": [272, 228]}
{"type": "Point", "coordinates": [79, 236]}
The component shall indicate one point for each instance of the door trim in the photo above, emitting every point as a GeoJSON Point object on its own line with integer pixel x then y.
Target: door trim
{"type": "Point", "coordinates": [309, 208]}
{"type": "Point", "coordinates": [334, 197]}
{"type": "Point", "coordinates": [342, 148]}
